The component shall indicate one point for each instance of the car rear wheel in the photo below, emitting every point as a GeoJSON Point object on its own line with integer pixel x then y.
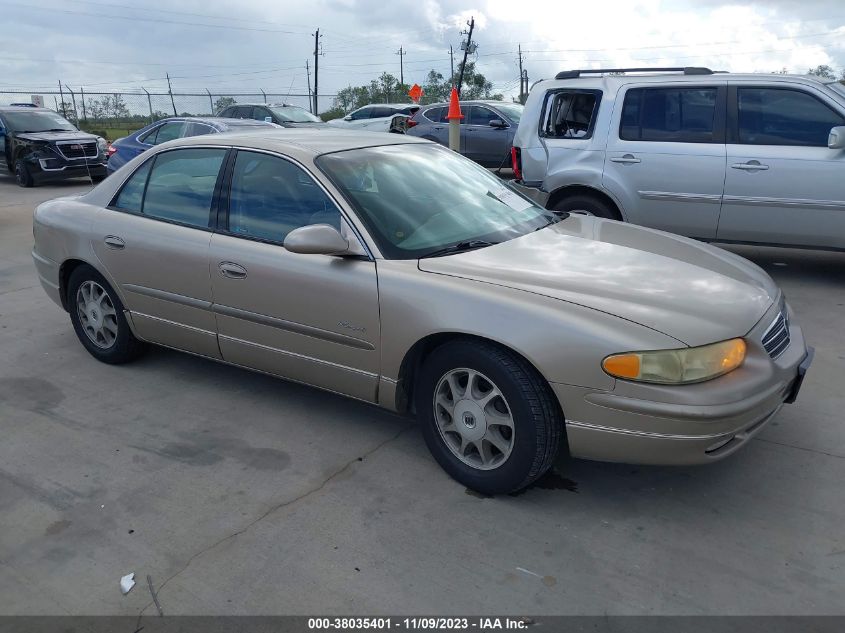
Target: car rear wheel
{"type": "Point", "coordinates": [587, 205]}
{"type": "Point", "coordinates": [98, 319]}
{"type": "Point", "coordinates": [488, 417]}
{"type": "Point", "coordinates": [22, 175]}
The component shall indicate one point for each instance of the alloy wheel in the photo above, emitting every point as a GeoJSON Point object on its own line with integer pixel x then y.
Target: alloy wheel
{"type": "Point", "coordinates": [96, 314]}
{"type": "Point", "coordinates": [474, 418]}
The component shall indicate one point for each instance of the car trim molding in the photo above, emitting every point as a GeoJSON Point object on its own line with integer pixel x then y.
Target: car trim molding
{"type": "Point", "coordinates": [838, 205]}
{"type": "Point", "coordinates": [285, 352]}
{"type": "Point", "coordinates": [649, 434]}
{"type": "Point", "coordinates": [671, 196]}
{"type": "Point", "coordinates": [291, 326]}
{"type": "Point", "coordinates": [168, 296]}
{"type": "Point", "coordinates": [169, 322]}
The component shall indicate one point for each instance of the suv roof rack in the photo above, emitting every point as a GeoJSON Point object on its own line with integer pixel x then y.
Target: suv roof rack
{"type": "Point", "coordinates": [687, 70]}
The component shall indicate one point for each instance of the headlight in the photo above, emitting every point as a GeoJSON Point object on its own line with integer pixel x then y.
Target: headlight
{"type": "Point", "coordinates": [102, 144]}
{"type": "Point", "coordinates": [678, 366]}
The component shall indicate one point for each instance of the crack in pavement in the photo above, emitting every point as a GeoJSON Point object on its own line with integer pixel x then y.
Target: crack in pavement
{"type": "Point", "coordinates": [800, 448]}
{"type": "Point", "coordinates": [273, 509]}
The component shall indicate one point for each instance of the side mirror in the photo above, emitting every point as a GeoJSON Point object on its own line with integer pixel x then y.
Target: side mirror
{"type": "Point", "coordinates": [268, 119]}
{"type": "Point", "coordinates": [836, 140]}
{"type": "Point", "coordinates": [497, 123]}
{"type": "Point", "coordinates": [348, 117]}
{"type": "Point", "coordinates": [317, 239]}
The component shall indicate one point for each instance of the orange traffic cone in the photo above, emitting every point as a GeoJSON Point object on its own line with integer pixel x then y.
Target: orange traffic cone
{"type": "Point", "coordinates": [454, 106]}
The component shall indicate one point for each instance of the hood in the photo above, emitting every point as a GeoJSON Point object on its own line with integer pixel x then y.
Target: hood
{"type": "Point", "coordinates": [304, 124]}
{"type": "Point", "coordinates": [693, 292]}
{"type": "Point", "coordinates": [82, 137]}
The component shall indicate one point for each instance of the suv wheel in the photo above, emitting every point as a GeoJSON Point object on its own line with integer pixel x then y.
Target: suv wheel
{"type": "Point", "coordinates": [587, 205]}
{"type": "Point", "coordinates": [488, 417]}
{"type": "Point", "coordinates": [97, 316]}
{"type": "Point", "coordinates": [22, 175]}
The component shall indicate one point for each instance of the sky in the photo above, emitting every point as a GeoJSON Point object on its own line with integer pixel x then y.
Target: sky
{"type": "Point", "coordinates": [253, 45]}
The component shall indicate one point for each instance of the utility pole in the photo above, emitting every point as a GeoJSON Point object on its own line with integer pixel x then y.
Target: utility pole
{"type": "Point", "coordinates": [525, 91]}
{"type": "Point", "coordinates": [452, 65]}
{"type": "Point", "coordinates": [64, 114]}
{"type": "Point", "coordinates": [170, 92]}
{"type": "Point", "coordinates": [401, 53]}
{"type": "Point", "coordinates": [316, 70]}
{"type": "Point", "coordinates": [308, 74]}
{"type": "Point", "coordinates": [467, 46]}
{"type": "Point", "coordinates": [521, 78]}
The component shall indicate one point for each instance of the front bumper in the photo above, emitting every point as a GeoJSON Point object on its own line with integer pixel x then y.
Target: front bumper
{"type": "Point", "coordinates": [690, 424]}
{"type": "Point", "coordinates": [47, 165]}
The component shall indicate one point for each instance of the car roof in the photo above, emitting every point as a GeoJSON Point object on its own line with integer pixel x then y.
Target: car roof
{"type": "Point", "coordinates": [219, 121]}
{"type": "Point", "coordinates": [389, 105]}
{"type": "Point", "coordinates": [592, 80]}
{"type": "Point", "coordinates": [269, 105]}
{"type": "Point", "coordinates": [25, 108]}
{"type": "Point", "coordinates": [300, 141]}
{"type": "Point", "coordinates": [490, 102]}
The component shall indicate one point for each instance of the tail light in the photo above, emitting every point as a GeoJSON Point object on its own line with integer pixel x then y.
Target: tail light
{"type": "Point", "coordinates": [412, 121]}
{"type": "Point", "coordinates": [516, 162]}
{"type": "Point", "coordinates": [111, 150]}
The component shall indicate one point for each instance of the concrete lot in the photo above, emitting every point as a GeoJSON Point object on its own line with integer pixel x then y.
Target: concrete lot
{"type": "Point", "coordinates": [241, 494]}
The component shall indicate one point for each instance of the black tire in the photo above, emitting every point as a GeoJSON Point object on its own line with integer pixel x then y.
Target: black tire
{"type": "Point", "coordinates": [591, 204]}
{"type": "Point", "coordinates": [98, 179]}
{"type": "Point", "coordinates": [537, 422]}
{"type": "Point", "coordinates": [22, 175]}
{"type": "Point", "coordinates": [125, 347]}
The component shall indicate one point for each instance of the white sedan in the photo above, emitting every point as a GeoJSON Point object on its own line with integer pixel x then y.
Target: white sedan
{"type": "Point", "coordinates": [378, 117]}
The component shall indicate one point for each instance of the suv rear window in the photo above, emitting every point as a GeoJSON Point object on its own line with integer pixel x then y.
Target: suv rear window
{"type": "Point", "coordinates": [679, 115]}
{"type": "Point", "coordinates": [570, 114]}
{"type": "Point", "coordinates": [436, 115]}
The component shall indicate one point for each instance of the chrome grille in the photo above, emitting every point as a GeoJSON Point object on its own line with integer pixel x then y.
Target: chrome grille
{"type": "Point", "coordinates": [776, 338]}
{"type": "Point", "coordinates": [72, 150]}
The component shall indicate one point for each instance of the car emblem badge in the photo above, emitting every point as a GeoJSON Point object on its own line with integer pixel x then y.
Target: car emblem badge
{"type": "Point", "coordinates": [76, 146]}
{"type": "Point", "coordinates": [469, 420]}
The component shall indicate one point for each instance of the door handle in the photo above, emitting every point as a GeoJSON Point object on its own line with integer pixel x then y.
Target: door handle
{"type": "Point", "coordinates": [752, 165]}
{"type": "Point", "coordinates": [232, 270]}
{"type": "Point", "coordinates": [112, 241]}
{"type": "Point", "coordinates": [626, 159]}
{"type": "Point", "coordinates": [438, 127]}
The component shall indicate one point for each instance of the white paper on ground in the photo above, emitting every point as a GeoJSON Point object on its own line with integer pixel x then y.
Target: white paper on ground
{"type": "Point", "coordinates": [127, 582]}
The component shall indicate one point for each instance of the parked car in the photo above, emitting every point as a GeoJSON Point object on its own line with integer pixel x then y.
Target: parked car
{"type": "Point", "coordinates": [284, 114]}
{"type": "Point", "coordinates": [737, 158]}
{"type": "Point", "coordinates": [487, 129]}
{"type": "Point", "coordinates": [394, 271]}
{"type": "Point", "coordinates": [122, 150]}
{"type": "Point", "coordinates": [40, 145]}
{"type": "Point", "coordinates": [378, 117]}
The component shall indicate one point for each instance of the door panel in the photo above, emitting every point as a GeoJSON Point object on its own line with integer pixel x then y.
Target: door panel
{"type": "Point", "coordinates": [162, 272]}
{"type": "Point", "coordinates": [154, 245]}
{"type": "Point", "coordinates": [783, 193]}
{"type": "Point", "coordinates": [666, 159]}
{"type": "Point", "coordinates": [487, 145]}
{"type": "Point", "coordinates": [310, 318]}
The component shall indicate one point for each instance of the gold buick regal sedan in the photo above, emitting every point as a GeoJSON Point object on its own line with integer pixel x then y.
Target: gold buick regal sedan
{"type": "Point", "coordinates": [394, 271]}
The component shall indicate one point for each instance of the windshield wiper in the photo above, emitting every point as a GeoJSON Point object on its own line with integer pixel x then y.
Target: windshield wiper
{"type": "Point", "coordinates": [460, 247]}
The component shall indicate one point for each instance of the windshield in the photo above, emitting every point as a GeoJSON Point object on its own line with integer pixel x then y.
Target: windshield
{"type": "Point", "coordinates": [37, 121]}
{"type": "Point", "coordinates": [418, 199]}
{"type": "Point", "coordinates": [293, 114]}
{"type": "Point", "coordinates": [512, 110]}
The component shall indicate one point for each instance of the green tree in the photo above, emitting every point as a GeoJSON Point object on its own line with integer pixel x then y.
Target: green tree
{"type": "Point", "coordinates": [223, 102]}
{"type": "Point", "coordinates": [824, 71]}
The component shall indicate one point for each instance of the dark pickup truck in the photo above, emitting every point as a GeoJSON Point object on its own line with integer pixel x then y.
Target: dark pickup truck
{"type": "Point", "coordinates": [40, 145]}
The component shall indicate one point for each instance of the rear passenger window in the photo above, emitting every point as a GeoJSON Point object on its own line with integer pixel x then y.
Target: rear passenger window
{"type": "Point", "coordinates": [132, 193]}
{"type": "Point", "coordinates": [198, 129]}
{"type": "Point", "coordinates": [270, 197]}
{"type": "Point", "coordinates": [570, 114]}
{"type": "Point", "coordinates": [435, 115]}
{"type": "Point", "coordinates": [181, 186]}
{"type": "Point", "coordinates": [776, 116]}
{"type": "Point", "coordinates": [168, 132]}
{"type": "Point", "coordinates": [679, 115]}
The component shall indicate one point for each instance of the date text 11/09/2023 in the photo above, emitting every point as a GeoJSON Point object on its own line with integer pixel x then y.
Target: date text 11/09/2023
{"type": "Point", "coordinates": [419, 623]}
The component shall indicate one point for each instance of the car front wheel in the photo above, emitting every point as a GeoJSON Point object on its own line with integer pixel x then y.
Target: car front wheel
{"type": "Point", "coordinates": [22, 175]}
{"type": "Point", "coordinates": [98, 319]}
{"type": "Point", "coordinates": [488, 417]}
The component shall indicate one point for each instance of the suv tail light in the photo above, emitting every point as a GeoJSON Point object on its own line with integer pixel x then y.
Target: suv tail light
{"type": "Point", "coordinates": [111, 150]}
{"type": "Point", "coordinates": [412, 121]}
{"type": "Point", "coordinates": [516, 162]}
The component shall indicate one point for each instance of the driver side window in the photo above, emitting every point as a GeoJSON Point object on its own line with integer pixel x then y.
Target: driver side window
{"type": "Point", "coordinates": [271, 196]}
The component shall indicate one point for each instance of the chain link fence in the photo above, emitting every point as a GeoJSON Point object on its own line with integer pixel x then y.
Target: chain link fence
{"type": "Point", "coordinates": [116, 114]}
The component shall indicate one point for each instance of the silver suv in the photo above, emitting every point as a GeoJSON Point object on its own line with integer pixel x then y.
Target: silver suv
{"type": "Point", "coordinates": [736, 158]}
